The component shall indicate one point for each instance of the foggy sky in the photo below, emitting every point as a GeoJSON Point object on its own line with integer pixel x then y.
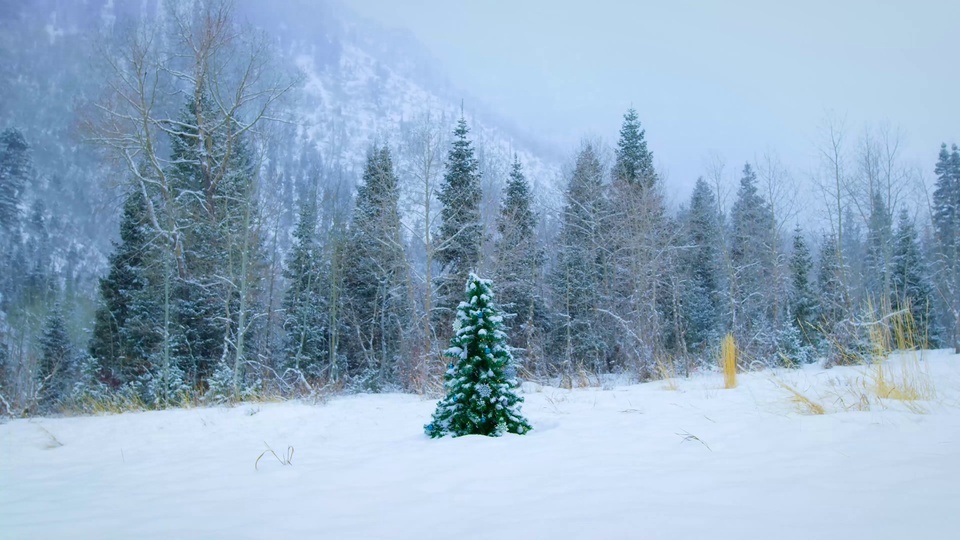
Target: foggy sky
{"type": "Point", "coordinates": [731, 78]}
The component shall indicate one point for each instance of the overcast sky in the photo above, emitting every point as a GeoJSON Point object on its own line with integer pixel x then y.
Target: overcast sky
{"type": "Point", "coordinates": [735, 78]}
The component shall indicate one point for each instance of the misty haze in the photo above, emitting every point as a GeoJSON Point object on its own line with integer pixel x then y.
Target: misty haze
{"type": "Point", "coordinates": [431, 269]}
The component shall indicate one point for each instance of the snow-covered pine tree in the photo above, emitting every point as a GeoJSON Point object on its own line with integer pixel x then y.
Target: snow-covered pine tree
{"type": "Point", "coordinates": [304, 303]}
{"type": "Point", "coordinates": [946, 228]}
{"type": "Point", "coordinates": [14, 172]}
{"type": "Point", "coordinates": [519, 261]}
{"type": "Point", "coordinates": [121, 339]}
{"type": "Point", "coordinates": [803, 299]}
{"type": "Point", "coordinates": [752, 264]}
{"type": "Point", "coordinates": [702, 266]}
{"type": "Point", "coordinates": [879, 251]}
{"type": "Point", "coordinates": [481, 385]}
{"type": "Point", "coordinates": [577, 339]}
{"type": "Point", "coordinates": [461, 230]}
{"type": "Point", "coordinates": [55, 363]}
{"type": "Point", "coordinates": [909, 282]}
{"type": "Point", "coordinates": [636, 237]}
{"type": "Point", "coordinates": [374, 286]}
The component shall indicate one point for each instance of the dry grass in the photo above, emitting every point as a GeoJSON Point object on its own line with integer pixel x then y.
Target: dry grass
{"type": "Point", "coordinates": [897, 370]}
{"type": "Point", "coordinates": [667, 372]}
{"type": "Point", "coordinates": [729, 362]}
{"type": "Point", "coordinates": [804, 404]}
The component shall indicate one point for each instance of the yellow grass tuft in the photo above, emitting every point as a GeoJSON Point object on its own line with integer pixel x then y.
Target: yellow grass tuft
{"type": "Point", "coordinates": [668, 374]}
{"type": "Point", "coordinates": [804, 404]}
{"type": "Point", "coordinates": [898, 375]}
{"type": "Point", "coordinates": [729, 362]}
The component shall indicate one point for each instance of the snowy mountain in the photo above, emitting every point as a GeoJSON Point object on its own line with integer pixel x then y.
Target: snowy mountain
{"type": "Point", "coordinates": [361, 83]}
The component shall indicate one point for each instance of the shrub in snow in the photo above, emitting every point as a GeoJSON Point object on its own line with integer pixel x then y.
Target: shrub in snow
{"type": "Point", "coordinates": [480, 383]}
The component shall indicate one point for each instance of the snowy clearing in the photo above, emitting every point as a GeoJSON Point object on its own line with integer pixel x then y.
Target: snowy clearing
{"type": "Point", "coordinates": [637, 461]}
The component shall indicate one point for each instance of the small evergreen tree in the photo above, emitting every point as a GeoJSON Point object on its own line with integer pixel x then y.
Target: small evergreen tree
{"type": "Point", "coordinates": [480, 383]}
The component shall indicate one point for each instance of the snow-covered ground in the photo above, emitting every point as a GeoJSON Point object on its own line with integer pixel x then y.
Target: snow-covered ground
{"type": "Point", "coordinates": [638, 461]}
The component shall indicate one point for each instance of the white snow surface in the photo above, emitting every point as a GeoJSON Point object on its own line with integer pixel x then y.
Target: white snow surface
{"type": "Point", "coordinates": [633, 461]}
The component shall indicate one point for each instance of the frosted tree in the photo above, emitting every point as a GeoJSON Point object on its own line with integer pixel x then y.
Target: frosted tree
{"type": "Point", "coordinates": [701, 264]}
{"type": "Point", "coordinates": [124, 332]}
{"type": "Point", "coordinates": [375, 276]}
{"type": "Point", "coordinates": [879, 251]}
{"type": "Point", "coordinates": [480, 383]}
{"type": "Point", "coordinates": [304, 304]}
{"type": "Point", "coordinates": [15, 170]}
{"type": "Point", "coordinates": [636, 236]}
{"type": "Point", "coordinates": [55, 363]}
{"type": "Point", "coordinates": [803, 299]}
{"type": "Point", "coordinates": [752, 264]}
{"type": "Point", "coordinates": [520, 260]}
{"type": "Point", "coordinates": [458, 246]}
{"type": "Point", "coordinates": [577, 280]}
{"type": "Point", "coordinates": [946, 228]}
{"type": "Point", "coordinates": [909, 282]}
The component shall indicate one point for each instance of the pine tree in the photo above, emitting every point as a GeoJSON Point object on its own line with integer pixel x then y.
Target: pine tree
{"type": "Point", "coordinates": [701, 265]}
{"type": "Point", "coordinates": [55, 363]}
{"type": "Point", "coordinates": [751, 255]}
{"type": "Point", "coordinates": [15, 170]}
{"type": "Point", "coordinates": [121, 342]}
{"type": "Point", "coordinates": [636, 232]}
{"type": "Point", "coordinates": [519, 260]}
{"type": "Point", "coordinates": [803, 300]}
{"type": "Point", "coordinates": [461, 230]}
{"type": "Point", "coordinates": [946, 228]}
{"type": "Point", "coordinates": [910, 288]}
{"type": "Point", "coordinates": [304, 303]}
{"type": "Point", "coordinates": [577, 280]}
{"type": "Point", "coordinates": [879, 250]}
{"type": "Point", "coordinates": [481, 386]}
{"type": "Point", "coordinates": [374, 277]}
{"type": "Point", "coordinates": [634, 162]}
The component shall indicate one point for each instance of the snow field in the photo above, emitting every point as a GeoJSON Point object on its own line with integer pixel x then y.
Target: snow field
{"type": "Point", "coordinates": [635, 461]}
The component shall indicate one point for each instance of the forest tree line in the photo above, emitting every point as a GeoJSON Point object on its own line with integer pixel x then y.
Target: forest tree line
{"type": "Point", "coordinates": [206, 296]}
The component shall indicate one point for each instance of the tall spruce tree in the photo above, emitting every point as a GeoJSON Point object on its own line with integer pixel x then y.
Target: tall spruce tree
{"type": "Point", "coordinates": [751, 256]}
{"type": "Point", "coordinates": [519, 261]}
{"type": "Point", "coordinates": [634, 162]}
{"type": "Point", "coordinates": [804, 307]}
{"type": "Point", "coordinates": [577, 282]}
{"type": "Point", "coordinates": [55, 363]}
{"type": "Point", "coordinates": [15, 170]}
{"type": "Point", "coordinates": [639, 263]}
{"type": "Point", "coordinates": [458, 246]}
{"type": "Point", "coordinates": [879, 251]}
{"type": "Point", "coordinates": [123, 335]}
{"type": "Point", "coordinates": [214, 211]}
{"type": "Point", "coordinates": [304, 303]}
{"type": "Point", "coordinates": [374, 278]}
{"type": "Point", "coordinates": [946, 229]}
{"type": "Point", "coordinates": [480, 383]}
{"type": "Point", "coordinates": [701, 265]}
{"type": "Point", "coordinates": [909, 282]}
